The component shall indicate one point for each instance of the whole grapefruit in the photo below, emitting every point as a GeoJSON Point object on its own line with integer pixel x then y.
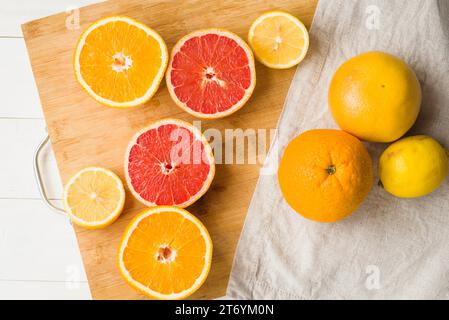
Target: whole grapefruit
{"type": "Point", "coordinates": [375, 96]}
{"type": "Point", "coordinates": [325, 174]}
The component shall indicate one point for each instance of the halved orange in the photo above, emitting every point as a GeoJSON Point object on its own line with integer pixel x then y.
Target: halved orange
{"type": "Point", "coordinates": [120, 62]}
{"type": "Point", "coordinates": [165, 253]}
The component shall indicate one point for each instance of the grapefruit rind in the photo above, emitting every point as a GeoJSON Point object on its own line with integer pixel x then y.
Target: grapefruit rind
{"type": "Point", "coordinates": [294, 20]}
{"type": "Point", "coordinates": [97, 224]}
{"type": "Point", "coordinates": [207, 149]}
{"type": "Point", "coordinates": [251, 65]}
{"type": "Point", "coordinates": [147, 291]}
{"type": "Point", "coordinates": [156, 82]}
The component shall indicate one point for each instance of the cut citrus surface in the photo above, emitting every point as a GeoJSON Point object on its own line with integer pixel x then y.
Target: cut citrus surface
{"type": "Point", "coordinates": [211, 73]}
{"type": "Point", "coordinates": [94, 197]}
{"type": "Point", "coordinates": [165, 253]}
{"type": "Point", "coordinates": [169, 163]}
{"type": "Point", "coordinates": [279, 40]}
{"type": "Point", "coordinates": [120, 62]}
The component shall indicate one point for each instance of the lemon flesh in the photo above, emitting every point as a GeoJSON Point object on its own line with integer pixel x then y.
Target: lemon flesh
{"type": "Point", "coordinates": [94, 197]}
{"type": "Point", "coordinates": [278, 39]}
{"type": "Point", "coordinates": [413, 167]}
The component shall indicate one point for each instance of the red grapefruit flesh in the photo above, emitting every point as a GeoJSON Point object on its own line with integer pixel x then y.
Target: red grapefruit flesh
{"type": "Point", "coordinates": [211, 73]}
{"type": "Point", "coordinates": [169, 163]}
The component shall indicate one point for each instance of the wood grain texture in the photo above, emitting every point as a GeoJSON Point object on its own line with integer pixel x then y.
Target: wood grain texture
{"type": "Point", "coordinates": [85, 133]}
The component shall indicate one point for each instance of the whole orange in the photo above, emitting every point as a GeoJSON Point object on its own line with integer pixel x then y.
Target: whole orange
{"type": "Point", "coordinates": [325, 174]}
{"type": "Point", "coordinates": [375, 96]}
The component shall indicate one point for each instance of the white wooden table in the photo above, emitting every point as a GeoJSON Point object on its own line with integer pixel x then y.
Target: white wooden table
{"type": "Point", "coordinates": [39, 257]}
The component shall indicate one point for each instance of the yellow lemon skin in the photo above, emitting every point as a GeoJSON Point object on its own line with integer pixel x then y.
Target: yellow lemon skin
{"type": "Point", "coordinates": [413, 167]}
{"type": "Point", "coordinates": [375, 96]}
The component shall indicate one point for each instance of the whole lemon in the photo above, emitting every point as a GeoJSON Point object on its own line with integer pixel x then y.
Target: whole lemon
{"type": "Point", "coordinates": [413, 167]}
{"type": "Point", "coordinates": [375, 96]}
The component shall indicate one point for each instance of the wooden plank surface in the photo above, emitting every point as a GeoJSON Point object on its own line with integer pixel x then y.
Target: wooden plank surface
{"type": "Point", "coordinates": [38, 249]}
{"type": "Point", "coordinates": [85, 133]}
{"type": "Point", "coordinates": [14, 13]}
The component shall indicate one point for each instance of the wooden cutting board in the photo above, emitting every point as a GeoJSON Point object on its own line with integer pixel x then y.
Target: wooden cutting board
{"type": "Point", "coordinates": [84, 133]}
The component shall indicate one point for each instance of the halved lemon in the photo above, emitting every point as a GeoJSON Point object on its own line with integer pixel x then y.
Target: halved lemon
{"type": "Point", "coordinates": [165, 253]}
{"type": "Point", "coordinates": [278, 39]}
{"type": "Point", "coordinates": [120, 62]}
{"type": "Point", "coordinates": [94, 197]}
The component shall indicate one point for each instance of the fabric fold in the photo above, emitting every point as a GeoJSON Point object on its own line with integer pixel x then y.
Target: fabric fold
{"type": "Point", "coordinates": [390, 248]}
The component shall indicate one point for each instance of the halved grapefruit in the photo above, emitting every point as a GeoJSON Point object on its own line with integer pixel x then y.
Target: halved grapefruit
{"type": "Point", "coordinates": [169, 163]}
{"type": "Point", "coordinates": [211, 73]}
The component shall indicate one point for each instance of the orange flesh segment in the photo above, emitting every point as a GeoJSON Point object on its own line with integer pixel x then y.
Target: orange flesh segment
{"type": "Point", "coordinates": [97, 59]}
{"type": "Point", "coordinates": [187, 246]}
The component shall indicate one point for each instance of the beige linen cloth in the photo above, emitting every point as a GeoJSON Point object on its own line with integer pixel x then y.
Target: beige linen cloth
{"type": "Point", "coordinates": [390, 248]}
